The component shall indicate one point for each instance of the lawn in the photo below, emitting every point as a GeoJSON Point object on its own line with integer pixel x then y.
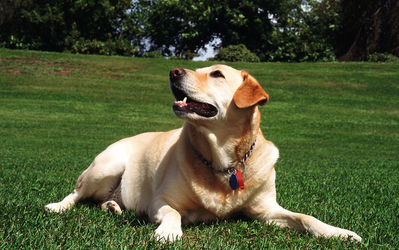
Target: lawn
{"type": "Point", "coordinates": [336, 126]}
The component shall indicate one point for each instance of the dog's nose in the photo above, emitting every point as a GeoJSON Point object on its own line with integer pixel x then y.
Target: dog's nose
{"type": "Point", "coordinates": [176, 73]}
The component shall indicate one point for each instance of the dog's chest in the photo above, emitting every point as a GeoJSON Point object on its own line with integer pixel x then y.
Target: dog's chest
{"type": "Point", "coordinates": [220, 202]}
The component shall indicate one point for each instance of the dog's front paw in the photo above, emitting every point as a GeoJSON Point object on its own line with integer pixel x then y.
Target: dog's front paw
{"type": "Point", "coordinates": [349, 234]}
{"type": "Point", "coordinates": [168, 233]}
{"type": "Point", "coordinates": [55, 208]}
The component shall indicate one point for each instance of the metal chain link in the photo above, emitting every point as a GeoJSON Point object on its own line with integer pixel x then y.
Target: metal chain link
{"type": "Point", "coordinates": [207, 163]}
{"type": "Point", "coordinates": [229, 170]}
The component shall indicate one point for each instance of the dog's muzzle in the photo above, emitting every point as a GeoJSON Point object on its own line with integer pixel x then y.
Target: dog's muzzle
{"type": "Point", "coordinates": [184, 104]}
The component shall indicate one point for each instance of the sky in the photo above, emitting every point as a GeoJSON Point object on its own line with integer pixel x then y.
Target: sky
{"type": "Point", "coordinates": [209, 51]}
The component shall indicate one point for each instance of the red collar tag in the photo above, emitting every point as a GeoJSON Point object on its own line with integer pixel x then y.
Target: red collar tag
{"type": "Point", "coordinates": [240, 180]}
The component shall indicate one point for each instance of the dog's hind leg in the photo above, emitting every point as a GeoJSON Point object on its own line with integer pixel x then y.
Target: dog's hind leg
{"type": "Point", "coordinates": [93, 186]}
{"type": "Point", "coordinates": [113, 202]}
{"type": "Point", "coordinates": [68, 201]}
{"type": "Point", "coordinates": [100, 182]}
{"type": "Point", "coordinates": [63, 205]}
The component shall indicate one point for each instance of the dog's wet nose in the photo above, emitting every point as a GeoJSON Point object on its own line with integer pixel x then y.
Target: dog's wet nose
{"type": "Point", "coordinates": [176, 73]}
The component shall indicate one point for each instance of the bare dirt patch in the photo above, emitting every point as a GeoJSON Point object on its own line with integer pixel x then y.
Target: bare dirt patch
{"type": "Point", "coordinates": [21, 60]}
{"type": "Point", "coordinates": [13, 66]}
{"type": "Point", "coordinates": [58, 72]}
{"type": "Point", "coordinates": [12, 72]}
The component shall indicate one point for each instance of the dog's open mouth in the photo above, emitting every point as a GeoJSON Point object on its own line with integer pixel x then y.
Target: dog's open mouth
{"type": "Point", "coordinates": [184, 103]}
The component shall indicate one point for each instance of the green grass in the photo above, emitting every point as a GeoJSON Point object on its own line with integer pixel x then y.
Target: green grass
{"type": "Point", "coordinates": [336, 125]}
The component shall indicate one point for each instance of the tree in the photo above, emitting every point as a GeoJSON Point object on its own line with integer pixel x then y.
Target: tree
{"type": "Point", "coordinates": [274, 30]}
{"type": "Point", "coordinates": [369, 27]}
{"type": "Point", "coordinates": [305, 31]}
{"type": "Point", "coordinates": [59, 25]}
{"type": "Point", "coordinates": [175, 27]}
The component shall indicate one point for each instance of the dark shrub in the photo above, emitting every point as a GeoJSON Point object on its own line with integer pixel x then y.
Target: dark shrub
{"type": "Point", "coordinates": [235, 53]}
{"type": "Point", "coordinates": [382, 57]}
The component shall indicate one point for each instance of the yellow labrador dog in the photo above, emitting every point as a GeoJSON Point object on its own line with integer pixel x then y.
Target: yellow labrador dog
{"type": "Point", "coordinates": [218, 164]}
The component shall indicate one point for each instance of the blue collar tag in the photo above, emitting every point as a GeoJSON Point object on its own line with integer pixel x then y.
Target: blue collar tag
{"type": "Point", "coordinates": [233, 181]}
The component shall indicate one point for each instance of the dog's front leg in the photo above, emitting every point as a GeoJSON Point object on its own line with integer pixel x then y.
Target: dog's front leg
{"type": "Point", "coordinates": [169, 221]}
{"type": "Point", "coordinates": [304, 223]}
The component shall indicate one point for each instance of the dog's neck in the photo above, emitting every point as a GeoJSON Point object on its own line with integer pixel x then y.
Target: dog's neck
{"type": "Point", "coordinates": [225, 145]}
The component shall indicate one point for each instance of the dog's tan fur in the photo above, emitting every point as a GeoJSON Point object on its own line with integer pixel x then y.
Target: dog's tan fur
{"type": "Point", "coordinates": [161, 174]}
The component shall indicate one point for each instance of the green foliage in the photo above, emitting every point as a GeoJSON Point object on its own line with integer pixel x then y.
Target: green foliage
{"type": "Point", "coordinates": [80, 26]}
{"type": "Point", "coordinates": [335, 124]}
{"type": "Point", "coordinates": [235, 53]}
{"type": "Point", "coordinates": [18, 43]}
{"type": "Point", "coordinates": [153, 54]}
{"type": "Point", "coordinates": [304, 34]}
{"type": "Point", "coordinates": [287, 30]}
{"type": "Point", "coordinates": [176, 27]}
{"type": "Point", "coordinates": [109, 48]}
{"type": "Point", "coordinates": [382, 57]}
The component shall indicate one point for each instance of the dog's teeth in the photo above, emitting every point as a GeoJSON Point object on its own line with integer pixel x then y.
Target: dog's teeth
{"type": "Point", "coordinates": [185, 100]}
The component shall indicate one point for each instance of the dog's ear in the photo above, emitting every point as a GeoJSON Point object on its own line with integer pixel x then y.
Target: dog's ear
{"type": "Point", "coordinates": [250, 92]}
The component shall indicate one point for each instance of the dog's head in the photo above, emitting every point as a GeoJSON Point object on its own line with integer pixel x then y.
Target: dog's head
{"type": "Point", "coordinates": [208, 93]}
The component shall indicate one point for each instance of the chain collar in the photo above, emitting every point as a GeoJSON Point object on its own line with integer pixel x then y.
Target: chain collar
{"type": "Point", "coordinates": [229, 170]}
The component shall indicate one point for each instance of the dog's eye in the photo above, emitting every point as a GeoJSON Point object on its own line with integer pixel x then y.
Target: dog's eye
{"type": "Point", "coordinates": [217, 73]}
